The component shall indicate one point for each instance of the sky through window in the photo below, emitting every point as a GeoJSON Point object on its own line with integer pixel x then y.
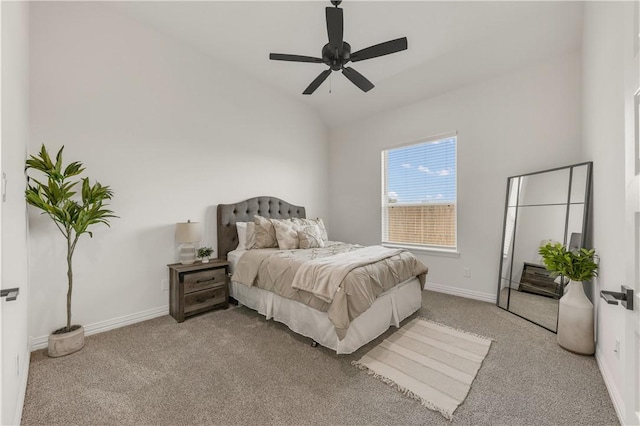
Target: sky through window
{"type": "Point", "coordinates": [422, 173]}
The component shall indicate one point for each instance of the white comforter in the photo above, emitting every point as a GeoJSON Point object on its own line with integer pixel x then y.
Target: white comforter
{"type": "Point", "coordinates": [361, 275]}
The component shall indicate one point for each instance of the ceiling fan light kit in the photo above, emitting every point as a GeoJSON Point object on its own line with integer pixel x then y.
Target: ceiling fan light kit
{"type": "Point", "coordinates": [337, 53]}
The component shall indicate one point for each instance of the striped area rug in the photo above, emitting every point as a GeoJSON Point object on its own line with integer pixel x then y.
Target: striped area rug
{"type": "Point", "coordinates": [432, 363]}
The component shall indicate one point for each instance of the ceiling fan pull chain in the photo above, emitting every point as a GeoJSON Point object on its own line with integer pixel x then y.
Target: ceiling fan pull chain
{"type": "Point", "coordinates": [330, 83]}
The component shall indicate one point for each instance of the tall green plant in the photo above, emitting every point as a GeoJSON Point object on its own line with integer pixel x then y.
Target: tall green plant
{"type": "Point", "coordinates": [578, 265]}
{"type": "Point", "coordinates": [72, 213]}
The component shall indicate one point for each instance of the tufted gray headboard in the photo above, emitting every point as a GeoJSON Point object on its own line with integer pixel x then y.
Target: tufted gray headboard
{"type": "Point", "coordinates": [244, 211]}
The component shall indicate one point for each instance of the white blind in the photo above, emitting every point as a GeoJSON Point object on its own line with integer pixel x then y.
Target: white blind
{"type": "Point", "coordinates": [419, 193]}
{"type": "Point", "coordinates": [510, 219]}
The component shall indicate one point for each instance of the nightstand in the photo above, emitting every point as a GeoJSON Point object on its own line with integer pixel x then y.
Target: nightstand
{"type": "Point", "coordinates": [197, 288]}
{"type": "Point", "coordinates": [536, 279]}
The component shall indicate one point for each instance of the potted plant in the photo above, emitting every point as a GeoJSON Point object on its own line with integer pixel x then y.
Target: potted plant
{"type": "Point", "coordinates": [204, 253]}
{"type": "Point", "coordinates": [575, 311]}
{"type": "Point", "coordinates": [74, 205]}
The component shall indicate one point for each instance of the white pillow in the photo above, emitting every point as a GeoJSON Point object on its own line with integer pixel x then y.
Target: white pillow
{"type": "Point", "coordinates": [242, 235]}
{"type": "Point", "coordinates": [251, 236]}
{"type": "Point", "coordinates": [246, 235]}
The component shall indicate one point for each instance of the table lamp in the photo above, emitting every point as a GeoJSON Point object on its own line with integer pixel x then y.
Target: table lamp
{"type": "Point", "coordinates": [188, 233]}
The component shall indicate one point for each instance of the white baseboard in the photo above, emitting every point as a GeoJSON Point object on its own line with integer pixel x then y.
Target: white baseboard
{"type": "Point", "coordinates": [455, 291]}
{"type": "Point", "coordinates": [614, 392]}
{"type": "Point", "coordinates": [23, 388]}
{"type": "Point", "coordinates": [99, 327]}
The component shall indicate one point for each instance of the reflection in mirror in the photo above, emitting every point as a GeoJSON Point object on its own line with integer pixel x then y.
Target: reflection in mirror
{"type": "Point", "coordinates": [513, 191]}
{"type": "Point", "coordinates": [507, 249]}
{"type": "Point", "coordinates": [538, 211]}
{"type": "Point", "coordinates": [574, 226]}
{"type": "Point", "coordinates": [537, 226]}
{"type": "Point", "coordinates": [578, 184]}
{"type": "Point", "coordinates": [539, 309]}
{"type": "Point", "coordinates": [544, 188]}
{"type": "Point", "coordinates": [536, 294]}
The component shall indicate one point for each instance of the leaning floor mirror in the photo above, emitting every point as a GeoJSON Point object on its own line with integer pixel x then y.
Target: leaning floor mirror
{"type": "Point", "coordinates": [541, 207]}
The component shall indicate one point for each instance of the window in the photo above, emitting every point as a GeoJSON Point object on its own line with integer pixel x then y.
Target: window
{"type": "Point", "coordinates": [419, 194]}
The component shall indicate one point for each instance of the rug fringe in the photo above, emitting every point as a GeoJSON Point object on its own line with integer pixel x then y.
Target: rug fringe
{"type": "Point", "coordinates": [446, 414]}
{"type": "Point", "coordinates": [455, 329]}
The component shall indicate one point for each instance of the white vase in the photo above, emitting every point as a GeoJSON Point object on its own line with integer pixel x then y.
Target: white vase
{"type": "Point", "coordinates": [65, 343]}
{"type": "Point", "coordinates": [575, 320]}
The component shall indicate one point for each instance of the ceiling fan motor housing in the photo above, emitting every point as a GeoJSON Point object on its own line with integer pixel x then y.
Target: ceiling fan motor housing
{"type": "Point", "coordinates": [336, 59]}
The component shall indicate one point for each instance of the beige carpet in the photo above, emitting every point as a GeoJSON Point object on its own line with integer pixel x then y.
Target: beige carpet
{"type": "Point", "coordinates": [234, 367]}
{"type": "Point", "coordinates": [432, 363]}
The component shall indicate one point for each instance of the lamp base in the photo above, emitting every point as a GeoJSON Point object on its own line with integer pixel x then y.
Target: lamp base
{"type": "Point", "coordinates": [187, 253]}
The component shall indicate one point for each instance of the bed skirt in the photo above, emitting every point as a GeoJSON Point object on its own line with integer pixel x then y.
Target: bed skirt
{"type": "Point", "coordinates": [390, 308]}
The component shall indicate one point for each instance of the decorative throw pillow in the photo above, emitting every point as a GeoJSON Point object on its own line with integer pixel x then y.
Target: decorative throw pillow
{"type": "Point", "coordinates": [286, 233]}
{"type": "Point", "coordinates": [323, 229]}
{"type": "Point", "coordinates": [265, 233]}
{"type": "Point", "coordinates": [318, 222]}
{"type": "Point", "coordinates": [310, 236]}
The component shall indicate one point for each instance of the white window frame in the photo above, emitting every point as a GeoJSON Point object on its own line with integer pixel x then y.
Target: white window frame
{"type": "Point", "coordinates": [432, 249]}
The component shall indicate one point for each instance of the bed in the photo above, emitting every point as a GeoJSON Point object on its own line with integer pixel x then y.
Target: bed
{"type": "Point", "coordinates": [388, 309]}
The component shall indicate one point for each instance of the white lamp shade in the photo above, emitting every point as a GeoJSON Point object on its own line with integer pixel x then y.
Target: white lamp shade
{"type": "Point", "coordinates": [188, 232]}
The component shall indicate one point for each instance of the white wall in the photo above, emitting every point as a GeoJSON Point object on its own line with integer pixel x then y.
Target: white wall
{"type": "Point", "coordinates": [173, 132]}
{"type": "Point", "coordinates": [517, 123]}
{"type": "Point", "coordinates": [603, 129]}
{"type": "Point", "coordinates": [15, 133]}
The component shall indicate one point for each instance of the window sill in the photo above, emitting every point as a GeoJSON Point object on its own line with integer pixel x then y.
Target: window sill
{"type": "Point", "coordinates": [426, 250]}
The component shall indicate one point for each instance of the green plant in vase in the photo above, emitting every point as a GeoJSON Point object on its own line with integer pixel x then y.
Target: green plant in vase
{"type": "Point", "coordinates": [204, 253]}
{"type": "Point", "coordinates": [577, 265]}
{"type": "Point", "coordinates": [74, 205]}
{"type": "Point", "coordinates": [575, 310]}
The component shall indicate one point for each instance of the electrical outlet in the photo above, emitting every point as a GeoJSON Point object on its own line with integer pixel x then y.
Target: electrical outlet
{"type": "Point", "coordinates": [467, 272]}
{"type": "Point", "coordinates": [164, 285]}
{"type": "Point", "coordinates": [617, 348]}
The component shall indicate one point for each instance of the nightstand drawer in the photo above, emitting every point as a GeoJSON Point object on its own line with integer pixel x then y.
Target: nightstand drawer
{"type": "Point", "coordinates": [196, 281]}
{"type": "Point", "coordinates": [205, 299]}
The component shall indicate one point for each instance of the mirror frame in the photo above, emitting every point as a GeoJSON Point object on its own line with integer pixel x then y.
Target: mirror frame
{"type": "Point", "coordinates": [585, 240]}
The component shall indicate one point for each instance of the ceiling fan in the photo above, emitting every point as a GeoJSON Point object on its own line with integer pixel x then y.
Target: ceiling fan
{"type": "Point", "coordinates": [337, 53]}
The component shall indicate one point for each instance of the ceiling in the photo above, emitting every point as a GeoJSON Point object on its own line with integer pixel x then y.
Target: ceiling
{"type": "Point", "coordinates": [451, 44]}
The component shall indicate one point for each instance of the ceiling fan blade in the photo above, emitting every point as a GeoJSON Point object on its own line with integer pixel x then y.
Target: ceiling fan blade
{"type": "Point", "coordinates": [293, 58]}
{"type": "Point", "coordinates": [335, 27]}
{"type": "Point", "coordinates": [357, 79]}
{"type": "Point", "coordinates": [381, 49]}
{"type": "Point", "coordinates": [317, 82]}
